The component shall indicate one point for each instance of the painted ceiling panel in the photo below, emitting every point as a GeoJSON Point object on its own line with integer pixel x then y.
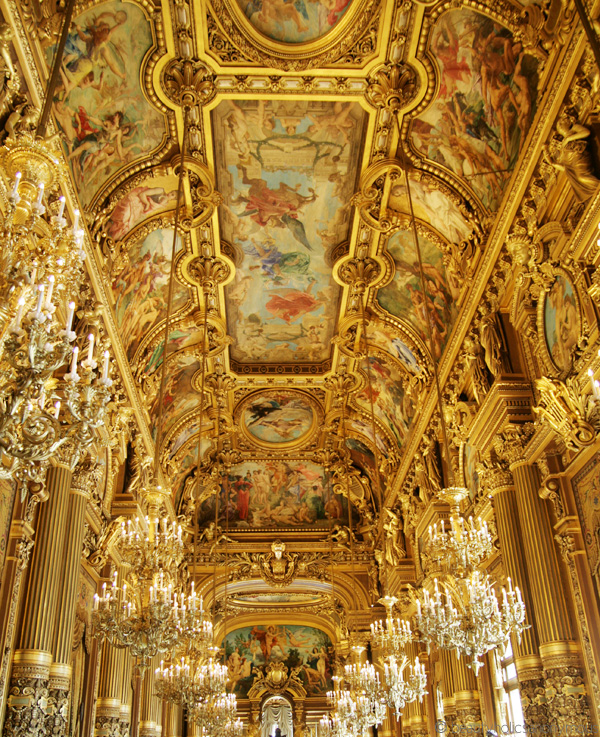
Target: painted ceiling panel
{"type": "Point", "coordinates": [277, 494]}
{"type": "Point", "coordinates": [295, 22]}
{"type": "Point", "coordinates": [485, 102]}
{"type": "Point", "coordinates": [100, 106]}
{"type": "Point", "coordinates": [286, 170]}
{"type": "Point", "coordinates": [433, 314]}
{"type": "Point", "coordinates": [141, 288]}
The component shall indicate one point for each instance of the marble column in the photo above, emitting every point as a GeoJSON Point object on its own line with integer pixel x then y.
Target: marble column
{"type": "Point", "coordinates": [499, 483]}
{"type": "Point", "coordinates": [62, 646]}
{"type": "Point", "coordinates": [564, 686]}
{"type": "Point", "coordinates": [27, 703]}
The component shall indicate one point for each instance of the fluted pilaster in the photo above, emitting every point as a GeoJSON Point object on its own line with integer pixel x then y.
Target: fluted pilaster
{"type": "Point", "coordinates": [556, 635]}
{"type": "Point", "coordinates": [108, 705]}
{"type": "Point", "coordinates": [466, 695]}
{"type": "Point", "coordinates": [448, 689]}
{"type": "Point", "coordinates": [27, 703]}
{"type": "Point", "coordinates": [60, 672]}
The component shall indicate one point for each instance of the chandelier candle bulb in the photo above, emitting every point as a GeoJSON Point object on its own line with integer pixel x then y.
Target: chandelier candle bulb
{"type": "Point", "coordinates": [40, 196]}
{"type": "Point", "coordinates": [19, 316]}
{"type": "Point", "coordinates": [48, 304]}
{"type": "Point", "coordinates": [56, 410]}
{"type": "Point", "coordinates": [70, 314]}
{"type": "Point", "coordinates": [61, 207]}
{"type": "Point", "coordinates": [38, 309]}
{"type": "Point", "coordinates": [14, 194]}
{"type": "Point", "coordinates": [75, 223]}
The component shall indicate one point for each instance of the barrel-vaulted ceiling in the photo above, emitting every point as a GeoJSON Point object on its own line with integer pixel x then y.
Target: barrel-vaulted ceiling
{"type": "Point", "coordinates": [306, 116]}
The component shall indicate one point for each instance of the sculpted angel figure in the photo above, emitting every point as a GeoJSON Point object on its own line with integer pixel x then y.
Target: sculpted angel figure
{"type": "Point", "coordinates": [492, 341]}
{"type": "Point", "coordinates": [395, 546]}
{"type": "Point", "coordinates": [571, 156]}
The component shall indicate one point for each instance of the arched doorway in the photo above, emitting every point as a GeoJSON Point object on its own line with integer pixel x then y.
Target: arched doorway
{"type": "Point", "coordinates": [276, 713]}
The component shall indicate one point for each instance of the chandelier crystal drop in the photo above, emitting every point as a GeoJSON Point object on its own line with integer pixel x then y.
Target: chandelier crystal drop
{"type": "Point", "coordinates": [475, 623]}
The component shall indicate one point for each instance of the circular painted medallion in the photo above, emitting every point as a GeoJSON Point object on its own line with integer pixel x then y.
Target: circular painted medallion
{"type": "Point", "coordinates": [294, 21]}
{"type": "Point", "coordinates": [561, 322]}
{"type": "Point", "coordinates": [278, 418]}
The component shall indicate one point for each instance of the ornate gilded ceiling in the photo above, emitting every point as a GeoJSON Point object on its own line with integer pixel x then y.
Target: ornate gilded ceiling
{"type": "Point", "coordinates": [304, 118]}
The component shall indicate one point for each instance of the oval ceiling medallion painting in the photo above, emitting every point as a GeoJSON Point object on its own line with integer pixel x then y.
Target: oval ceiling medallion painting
{"type": "Point", "coordinates": [298, 21]}
{"type": "Point", "coordinates": [278, 418]}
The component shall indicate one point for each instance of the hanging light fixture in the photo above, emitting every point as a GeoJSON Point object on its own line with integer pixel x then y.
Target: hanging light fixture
{"type": "Point", "coordinates": [150, 616]}
{"type": "Point", "coordinates": [462, 545]}
{"type": "Point", "coordinates": [480, 625]}
{"type": "Point", "coordinates": [41, 272]}
{"type": "Point", "coordinates": [405, 682]}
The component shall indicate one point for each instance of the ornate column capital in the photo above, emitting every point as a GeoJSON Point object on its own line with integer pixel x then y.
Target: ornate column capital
{"type": "Point", "coordinates": [510, 444]}
{"type": "Point", "coordinates": [495, 476]}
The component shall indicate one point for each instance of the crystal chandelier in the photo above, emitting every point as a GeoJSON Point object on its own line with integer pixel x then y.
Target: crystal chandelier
{"type": "Point", "coordinates": [462, 546]}
{"type": "Point", "coordinates": [152, 547]}
{"type": "Point", "coordinates": [357, 701]}
{"type": "Point", "coordinates": [392, 638]}
{"type": "Point", "coordinates": [147, 615]}
{"type": "Point", "coordinates": [143, 622]}
{"type": "Point", "coordinates": [216, 716]}
{"type": "Point", "coordinates": [37, 246]}
{"type": "Point", "coordinates": [191, 684]}
{"type": "Point", "coordinates": [403, 690]}
{"type": "Point", "coordinates": [41, 270]}
{"type": "Point", "coordinates": [475, 623]}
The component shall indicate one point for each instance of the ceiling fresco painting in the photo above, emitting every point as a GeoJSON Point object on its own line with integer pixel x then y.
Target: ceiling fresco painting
{"type": "Point", "coordinates": [434, 204]}
{"type": "Point", "coordinates": [277, 494]}
{"type": "Point", "coordinates": [278, 417]}
{"type": "Point", "coordinates": [485, 102]}
{"type": "Point", "coordinates": [180, 395]}
{"type": "Point", "coordinates": [250, 648]}
{"type": "Point", "coordinates": [433, 312]}
{"type": "Point", "coordinates": [185, 336]}
{"type": "Point", "coordinates": [152, 197]}
{"type": "Point", "coordinates": [294, 22]}
{"type": "Point", "coordinates": [394, 406]}
{"type": "Point", "coordinates": [141, 288]}
{"type": "Point", "coordinates": [285, 170]}
{"type": "Point", "coordinates": [99, 104]}
{"type": "Point", "coordinates": [387, 337]}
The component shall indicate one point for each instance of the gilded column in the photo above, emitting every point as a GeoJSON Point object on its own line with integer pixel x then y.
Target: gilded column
{"type": "Point", "coordinates": [60, 670]}
{"type": "Point", "coordinates": [126, 695]}
{"type": "Point", "coordinates": [26, 706]}
{"type": "Point", "coordinates": [466, 696]}
{"type": "Point", "coordinates": [108, 704]}
{"type": "Point", "coordinates": [417, 713]}
{"type": "Point", "coordinates": [150, 705]}
{"type": "Point", "coordinates": [448, 689]}
{"type": "Point", "coordinates": [565, 691]}
{"type": "Point", "coordinates": [173, 720]}
{"type": "Point", "coordinates": [499, 483]}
